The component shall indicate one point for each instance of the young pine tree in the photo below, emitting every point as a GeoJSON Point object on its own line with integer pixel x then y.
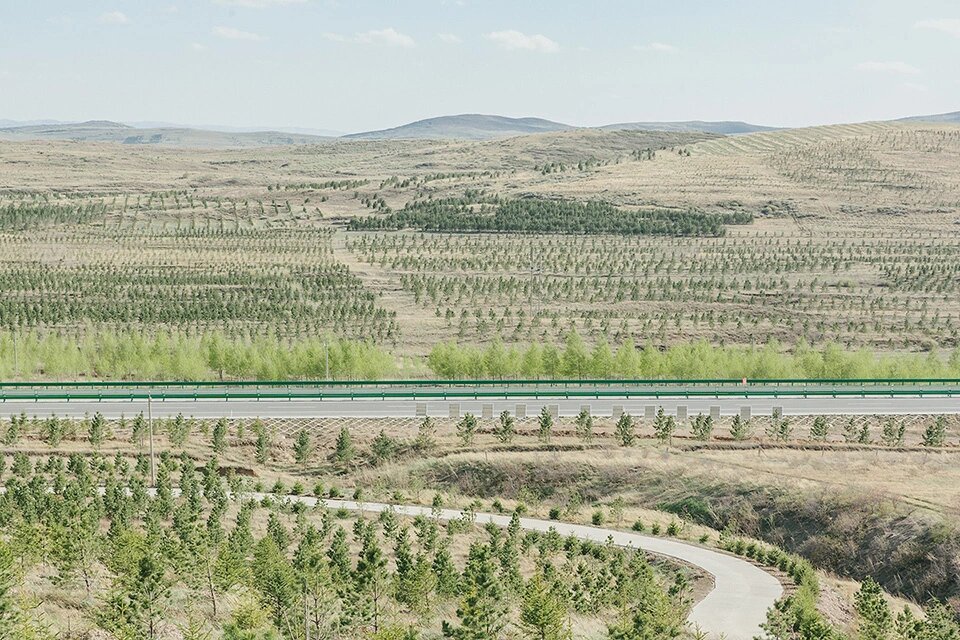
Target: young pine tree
{"type": "Point", "coordinates": [545, 423]}
{"type": "Point", "coordinates": [543, 613]}
{"type": "Point", "coordinates": [740, 429]}
{"type": "Point", "coordinates": [482, 611]}
{"type": "Point", "coordinates": [625, 431]}
{"type": "Point", "coordinates": [820, 429]}
{"type": "Point", "coordinates": [383, 448]}
{"type": "Point", "coordinates": [584, 424]}
{"type": "Point", "coordinates": [219, 436]}
{"type": "Point", "coordinates": [302, 447]}
{"type": "Point", "coordinates": [935, 435]}
{"type": "Point", "coordinates": [467, 429]}
{"type": "Point", "coordinates": [702, 427]}
{"type": "Point", "coordinates": [506, 428]}
{"type": "Point", "coordinates": [97, 430]}
{"type": "Point", "coordinates": [425, 436]}
{"type": "Point", "coordinates": [343, 451]}
{"type": "Point", "coordinates": [262, 443]}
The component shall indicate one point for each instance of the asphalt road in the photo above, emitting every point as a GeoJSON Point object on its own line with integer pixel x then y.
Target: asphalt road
{"type": "Point", "coordinates": [734, 609]}
{"type": "Point", "coordinates": [375, 408]}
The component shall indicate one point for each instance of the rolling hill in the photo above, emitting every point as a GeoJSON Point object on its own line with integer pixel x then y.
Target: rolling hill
{"type": "Point", "coordinates": [107, 131]}
{"type": "Point", "coordinates": [725, 128]}
{"type": "Point", "coordinates": [465, 126]}
{"type": "Point", "coordinates": [952, 118]}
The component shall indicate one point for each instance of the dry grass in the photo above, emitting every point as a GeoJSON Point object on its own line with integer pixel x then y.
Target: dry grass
{"type": "Point", "coordinates": [854, 242]}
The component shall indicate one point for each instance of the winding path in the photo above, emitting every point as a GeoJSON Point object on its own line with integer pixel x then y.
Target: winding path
{"type": "Point", "coordinates": [734, 609]}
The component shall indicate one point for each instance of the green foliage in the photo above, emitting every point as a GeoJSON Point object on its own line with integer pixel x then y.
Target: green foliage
{"type": "Point", "coordinates": [467, 429]}
{"type": "Point", "coordinates": [935, 434]}
{"type": "Point", "coordinates": [262, 443]}
{"type": "Point", "coordinates": [625, 431]}
{"type": "Point", "coordinates": [694, 360]}
{"type": "Point", "coordinates": [425, 440]}
{"type": "Point", "coordinates": [302, 447]}
{"type": "Point", "coordinates": [543, 612]}
{"type": "Point", "coordinates": [893, 432]}
{"type": "Point", "coordinates": [548, 216]}
{"type": "Point", "coordinates": [664, 426]}
{"type": "Point", "coordinates": [15, 428]}
{"type": "Point", "coordinates": [178, 430]}
{"type": "Point", "coordinates": [53, 431]}
{"type": "Point", "coordinates": [702, 427]}
{"type": "Point", "coordinates": [343, 451]}
{"type": "Point", "coordinates": [740, 429]}
{"type": "Point", "coordinates": [584, 425]}
{"type": "Point", "coordinates": [876, 619]}
{"type": "Point", "coordinates": [545, 425]}
{"type": "Point", "coordinates": [97, 430]}
{"type": "Point", "coordinates": [383, 448]}
{"type": "Point", "coordinates": [780, 429]}
{"type": "Point", "coordinates": [820, 429]}
{"type": "Point", "coordinates": [168, 355]}
{"type": "Point", "coordinates": [482, 610]}
{"type": "Point", "coordinates": [136, 604]}
{"type": "Point", "coordinates": [506, 428]}
{"type": "Point", "coordinates": [218, 440]}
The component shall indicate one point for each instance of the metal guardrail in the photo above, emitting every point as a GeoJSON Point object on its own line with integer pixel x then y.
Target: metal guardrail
{"type": "Point", "coordinates": [576, 382]}
{"type": "Point", "coordinates": [443, 394]}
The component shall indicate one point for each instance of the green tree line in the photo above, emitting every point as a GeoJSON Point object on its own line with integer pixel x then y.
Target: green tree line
{"type": "Point", "coordinates": [179, 356]}
{"type": "Point", "coordinates": [695, 360]}
{"type": "Point", "coordinates": [549, 216]}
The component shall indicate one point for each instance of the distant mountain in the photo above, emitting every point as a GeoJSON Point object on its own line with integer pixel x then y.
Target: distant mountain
{"type": "Point", "coordinates": [466, 127]}
{"type": "Point", "coordinates": [726, 128]}
{"type": "Point", "coordinates": [26, 123]}
{"type": "Point", "coordinates": [149, 124]}
{"type": "Point", "coordinates": [107, 131]}
{"type": "Point", "coordinates": [953, 118]}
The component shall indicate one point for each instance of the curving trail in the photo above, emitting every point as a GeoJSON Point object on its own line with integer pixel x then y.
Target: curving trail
{"type": "Point", "coordinates": [734, 609]}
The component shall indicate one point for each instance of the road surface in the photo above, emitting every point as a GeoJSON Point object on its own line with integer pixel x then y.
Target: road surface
{"type": "Point", "coordinates": [394, 408]}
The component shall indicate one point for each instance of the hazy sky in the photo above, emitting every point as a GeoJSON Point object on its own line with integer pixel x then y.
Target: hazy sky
{"type": "Point", "coordinates": [365, 64]}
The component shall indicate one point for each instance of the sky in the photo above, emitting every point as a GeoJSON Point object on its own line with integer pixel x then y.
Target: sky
{"type": "Point", "coordinates": [358, 65]}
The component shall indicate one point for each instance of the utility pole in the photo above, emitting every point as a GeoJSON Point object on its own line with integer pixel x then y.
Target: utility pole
{"type": "Point", "coordinates": [153, 466]}
{"type": "Point", "coordinates": [16, 357]}
{"type": "Point", "coordinates": [326, 357]}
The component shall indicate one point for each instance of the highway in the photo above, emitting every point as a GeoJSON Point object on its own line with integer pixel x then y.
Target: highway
{"type": "Point", "coordinates": [453, 407]}
{"type": "Point", "coordinates": [484, 398]}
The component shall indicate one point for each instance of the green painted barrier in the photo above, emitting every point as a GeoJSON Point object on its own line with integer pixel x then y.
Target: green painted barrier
{"type": "Point", "coordinates": [440, 394]}
{"type": "Point", "coordinates": [480, 383]}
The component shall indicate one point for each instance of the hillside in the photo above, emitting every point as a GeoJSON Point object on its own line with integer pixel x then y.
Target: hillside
{"type": "Point", "coordinates": [107, 131]}
{"type": "Point", "coordinates": [725, 128]}
{"type": "Point", "coordinates": [952, 118]}
{"type": "Point", "coordinates": [466, 126]}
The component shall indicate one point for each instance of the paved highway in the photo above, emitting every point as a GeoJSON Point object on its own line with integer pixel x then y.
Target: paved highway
{"type": "Point", "coordinates": [392, 408]}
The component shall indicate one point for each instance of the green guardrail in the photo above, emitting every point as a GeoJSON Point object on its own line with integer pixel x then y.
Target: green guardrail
{"type": "Point", "coordinates": [484, 382]}
{"type": "Point", "coordinates": [476, 394]}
